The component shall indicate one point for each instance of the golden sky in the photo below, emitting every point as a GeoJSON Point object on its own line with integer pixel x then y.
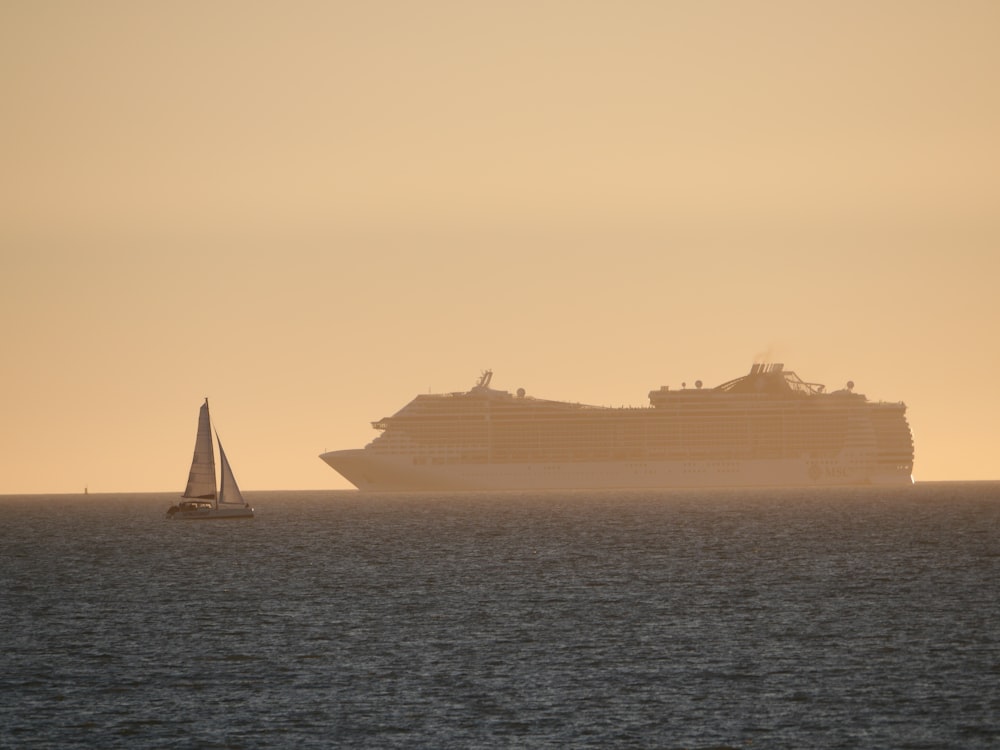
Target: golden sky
{"type": "Point", "coordinates": [311, 211]}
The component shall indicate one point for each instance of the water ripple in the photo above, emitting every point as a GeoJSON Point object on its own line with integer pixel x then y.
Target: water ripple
{"type": "Point", "coordinates": [834, 618]}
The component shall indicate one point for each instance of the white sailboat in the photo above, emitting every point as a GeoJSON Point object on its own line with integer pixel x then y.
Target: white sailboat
{"type": "Point", "coordinates": [201, 501]}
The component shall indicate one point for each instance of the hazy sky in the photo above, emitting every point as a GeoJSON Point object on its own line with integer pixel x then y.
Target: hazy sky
{"type": "Point", "coordinates": [311, 211]}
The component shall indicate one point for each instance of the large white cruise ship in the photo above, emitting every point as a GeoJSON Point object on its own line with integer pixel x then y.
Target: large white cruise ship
{"type": "Point", "coordinates": [766, 428]}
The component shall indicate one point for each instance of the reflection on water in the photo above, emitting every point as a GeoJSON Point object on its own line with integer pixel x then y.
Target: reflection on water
{"type": "Point", "coordinates": [788, 618]}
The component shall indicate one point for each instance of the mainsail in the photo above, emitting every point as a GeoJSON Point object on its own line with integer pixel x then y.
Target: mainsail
{"type": "Point", "coordinates": [229, 491]}
{"type": "Point", "coordinates": [201, 480]}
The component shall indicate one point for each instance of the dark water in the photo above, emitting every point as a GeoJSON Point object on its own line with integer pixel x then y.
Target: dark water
{"type": "Point", "coordinates": [777, 619]}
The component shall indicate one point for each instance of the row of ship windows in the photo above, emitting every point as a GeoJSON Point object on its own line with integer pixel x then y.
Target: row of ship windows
{"type": "Point", "coordinates": [521, 456]}
{"type": "Point", "coordinates": [630, 414]}
{"type": "Point", "coordinates": [713, 462]}
{"type": "Point", "coordinates": [615, 418]}
{"type": "Point", "coordinates": [776, 421]}
{"type": "Point", "coordinates": [569, 431]}
{"type": "Point", "coordinates": [582, 441]}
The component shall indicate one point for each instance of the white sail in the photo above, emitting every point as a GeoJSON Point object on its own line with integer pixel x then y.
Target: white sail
{"type": "Point", "coordinates": [229, 491]}
{"type": "Point", "coordinates": [201, 480]}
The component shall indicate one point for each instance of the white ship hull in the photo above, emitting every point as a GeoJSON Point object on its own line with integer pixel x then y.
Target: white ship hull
{"type": "Point", "coordinates": [371, 472]}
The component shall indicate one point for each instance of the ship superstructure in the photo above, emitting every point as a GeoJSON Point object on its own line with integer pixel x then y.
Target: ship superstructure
{"type": "Point", "coordinates": [766, 428]}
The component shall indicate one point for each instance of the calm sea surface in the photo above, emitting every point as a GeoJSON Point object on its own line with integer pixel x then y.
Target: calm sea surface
{"type": "Point", "coordinates": [684, 619]}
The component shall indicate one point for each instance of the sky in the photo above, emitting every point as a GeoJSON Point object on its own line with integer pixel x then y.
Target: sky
{"type": "Point", "coordinates": [310, 212]}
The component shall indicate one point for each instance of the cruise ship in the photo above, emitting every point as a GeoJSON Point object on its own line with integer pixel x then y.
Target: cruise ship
{"type": "Point", "coordinates": [766, 428]}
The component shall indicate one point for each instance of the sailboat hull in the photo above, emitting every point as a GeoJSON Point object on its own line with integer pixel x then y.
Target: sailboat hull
{"type": "Point", "coordinates": [206, 512]}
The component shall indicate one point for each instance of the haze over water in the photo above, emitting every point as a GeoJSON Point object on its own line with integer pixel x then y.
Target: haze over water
{"type": "Point", "coordinates": [312, 211]}
{"type": "Point", "coordinates": [854, 618]}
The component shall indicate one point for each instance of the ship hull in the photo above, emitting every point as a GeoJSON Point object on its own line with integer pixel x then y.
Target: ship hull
{"type": "Point", "coordinates": [379, 473]}
{"type": "Point", "coordinates": [768, 428]}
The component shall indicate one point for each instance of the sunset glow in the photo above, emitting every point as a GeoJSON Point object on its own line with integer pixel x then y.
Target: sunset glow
{"type": "Point", "coordinates": [312, 212]}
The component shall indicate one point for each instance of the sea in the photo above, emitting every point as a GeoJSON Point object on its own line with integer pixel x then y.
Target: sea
{"type": "Point", "coordinates": [765, 618]}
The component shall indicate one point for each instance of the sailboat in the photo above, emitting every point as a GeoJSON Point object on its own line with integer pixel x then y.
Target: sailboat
{"type": "Point", "coordinates": [200, 499]}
